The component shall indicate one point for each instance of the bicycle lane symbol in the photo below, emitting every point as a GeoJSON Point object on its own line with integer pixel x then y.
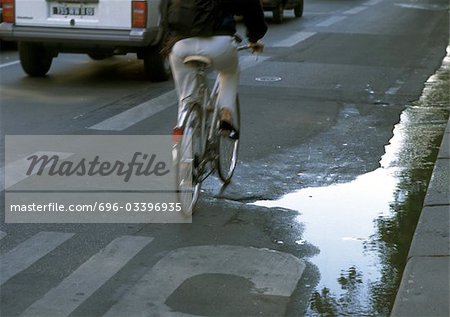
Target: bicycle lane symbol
{"type": "Point", "coordinates": [261, 273]}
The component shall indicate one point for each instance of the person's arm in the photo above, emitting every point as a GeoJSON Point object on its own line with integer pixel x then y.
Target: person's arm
{"type": "Point", "coordinates": [254, 19]}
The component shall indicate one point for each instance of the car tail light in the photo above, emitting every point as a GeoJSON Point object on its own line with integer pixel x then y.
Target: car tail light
{"type": "Point", "coordinates": [8, 11]}
{"type": "Point", "coordinates": [139, 14]}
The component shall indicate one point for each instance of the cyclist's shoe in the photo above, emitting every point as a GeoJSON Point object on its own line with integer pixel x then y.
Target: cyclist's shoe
{"type": "Point", "coordinates": [229, 130]}
{"type": "Point", "coordinates": [226, 124]}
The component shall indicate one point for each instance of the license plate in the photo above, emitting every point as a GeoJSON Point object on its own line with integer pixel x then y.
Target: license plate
{"type": "Point", "coordinates": [66, 10]}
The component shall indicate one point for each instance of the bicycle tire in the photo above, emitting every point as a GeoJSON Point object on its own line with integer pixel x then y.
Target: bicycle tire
{"type": "Point", "coordinates": [227, 151]}
{"type": "Point", "coordinates": [189, 150]}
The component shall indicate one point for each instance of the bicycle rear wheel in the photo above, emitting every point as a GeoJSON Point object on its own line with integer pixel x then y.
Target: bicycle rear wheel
{"type": "Point", "coordinates": [228, 151]}
{"type": "Point", "coordinates": [189, 152]}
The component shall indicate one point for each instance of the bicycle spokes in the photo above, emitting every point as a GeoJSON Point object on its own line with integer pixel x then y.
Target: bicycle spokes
{"type": "Point", "coordinates": [187, 164]}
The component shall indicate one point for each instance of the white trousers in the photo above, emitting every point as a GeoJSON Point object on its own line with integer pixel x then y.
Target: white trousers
{"type": "Point", "coordinates": [223, 53]}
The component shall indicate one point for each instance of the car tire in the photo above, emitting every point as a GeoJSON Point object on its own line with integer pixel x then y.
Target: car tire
{"type": "Point", "coordinates": [278, 13]}
{"type": "Point", "coordinates": [156, 66]}
{"type": "Point", "coordinates": [35, 59]}
{"type": "Point", "coordinates": [298, 10]}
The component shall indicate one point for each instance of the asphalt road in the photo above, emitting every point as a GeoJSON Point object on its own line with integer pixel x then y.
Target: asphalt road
{"type": "Point", "coordinates": [318, 107]}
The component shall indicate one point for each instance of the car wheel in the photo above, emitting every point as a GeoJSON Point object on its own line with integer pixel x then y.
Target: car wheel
{"type": "Point", "coordinates": [298, 9]}
{"type": "Point", "coordinates": [278, 13]}
{"type": "Point", "coordinates": [35, 58]}
{"type": "Point", "coordinates": [156, 66]}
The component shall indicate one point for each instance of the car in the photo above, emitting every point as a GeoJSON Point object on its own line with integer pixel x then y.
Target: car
{"type": "Point", "coordinates": [278, 6]}
{"type": "Point", "coordinates": [98, 28]}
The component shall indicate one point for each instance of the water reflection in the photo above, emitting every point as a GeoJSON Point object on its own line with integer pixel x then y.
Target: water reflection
{"type": "Point", "coordinates": [364, 228]}
{"type": "Point", "coordinates": [339, 220]}
{"type": "Point", "coordinates": [325, 303]}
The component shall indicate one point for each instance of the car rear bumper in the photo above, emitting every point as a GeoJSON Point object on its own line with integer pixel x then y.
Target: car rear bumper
{"type": "Point", "coordinates": [81, 37]}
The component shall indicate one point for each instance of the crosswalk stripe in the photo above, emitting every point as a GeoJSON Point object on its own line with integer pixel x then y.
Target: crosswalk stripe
{"type": "Point", "coordinates": [90, 276]}
{"type": "Point", "coordinates": [14, 172]}
{"type": "Point", "coordinates": [29, 251]}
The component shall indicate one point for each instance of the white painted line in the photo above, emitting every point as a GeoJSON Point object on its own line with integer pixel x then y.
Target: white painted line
{"type": "Point", "coordinates": [9, 64]}
{"type": "Point", "coordinates": [294, 39]}
{"type": "Point", "coordinates": [29, 251]}
{"type": "Point", "coordinates": [15, 172]}
{"type": "Point", "coordinates": [355, 10]}
{"type": "Point", "coordinates": [271, 272]}
{"type": "Point", "coordinates": [90, 276]}
{"type": "Point", "coordinates": [331, 21]}
{"type": "Point", "coordinates": [2, 234]}
{"type": "Point", "coordinates": [138, 113]}
{"type": "Point", "coordinates": [372, 2]}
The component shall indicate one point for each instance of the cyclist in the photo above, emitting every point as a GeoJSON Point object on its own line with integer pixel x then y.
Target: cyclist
{"type": "Point", "coordinates": [221, 50]}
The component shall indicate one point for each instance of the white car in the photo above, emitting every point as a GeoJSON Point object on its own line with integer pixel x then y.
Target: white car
{"type": "Point", "coordinates": [99, 28]}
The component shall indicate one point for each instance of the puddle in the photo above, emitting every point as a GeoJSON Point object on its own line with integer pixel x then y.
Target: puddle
{"type": "Point", "coordinates": [363, 228]}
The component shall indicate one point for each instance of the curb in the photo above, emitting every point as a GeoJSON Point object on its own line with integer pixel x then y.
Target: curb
{"type": "Point", "coordinates": [425, 285]}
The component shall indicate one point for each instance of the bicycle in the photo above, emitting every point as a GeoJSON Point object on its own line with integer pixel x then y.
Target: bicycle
{"type": "Point", "coordinates": [201, 148]}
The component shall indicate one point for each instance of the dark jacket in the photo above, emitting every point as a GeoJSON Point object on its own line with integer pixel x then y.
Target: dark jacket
{"type": "Point", "coordinates": [250, 10]}
{"type": "Point", "coordinates": [253, 16]}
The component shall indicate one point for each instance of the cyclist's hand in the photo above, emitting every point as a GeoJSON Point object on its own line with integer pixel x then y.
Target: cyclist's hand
{"type": "Point", "coordinates": [257, 47]}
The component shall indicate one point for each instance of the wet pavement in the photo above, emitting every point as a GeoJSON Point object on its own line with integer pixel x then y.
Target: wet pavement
{"type": "Point", "coordinates": [363, 228]}
{"type": "Point", "coordinates": [318, 120]}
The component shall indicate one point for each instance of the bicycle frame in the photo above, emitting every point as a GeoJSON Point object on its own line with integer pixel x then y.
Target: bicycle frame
{"type": "Point", "coordinates": [213, 149]}
{"type": "Point", "coordinates": [206, 100]}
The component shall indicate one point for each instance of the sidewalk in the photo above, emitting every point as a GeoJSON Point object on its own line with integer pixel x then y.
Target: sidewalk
{"type": "Point", "coordinates": [424, 289]}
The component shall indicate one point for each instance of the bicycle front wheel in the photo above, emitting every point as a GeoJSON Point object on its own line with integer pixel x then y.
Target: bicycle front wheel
{"type": "Point", "coordinates": [189, 152]}
{"type": "Point", "coordinates": [228, 151]}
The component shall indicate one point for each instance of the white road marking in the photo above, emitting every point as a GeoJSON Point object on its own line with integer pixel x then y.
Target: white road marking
{"type": "Point", "coordinates": [373, 2]}
{"type": "Point", "coordinates": [331, 21]}
{"type": "Point", "coordinates": [90, 276]}
{"type": "Point", "coordinates": [9, 64]}
{"type": "Point", "coordinates": [138, 113]}
{"type": "Point", "coordinates": [29, 251]}
{"type": "Point", "coordinates": [271, 272]}
{"type": "Point", "coordinates": [294, 39]}
{"type": "Point", "coordinates": [2, 234]}
{"type": "Point", "coordinates": [15, 172]}
{"type": "Point", "coordinates": [356, 10]}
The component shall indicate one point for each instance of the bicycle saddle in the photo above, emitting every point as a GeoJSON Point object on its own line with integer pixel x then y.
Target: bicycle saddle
{"type": "Point", "coordinates": [198, 59]}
